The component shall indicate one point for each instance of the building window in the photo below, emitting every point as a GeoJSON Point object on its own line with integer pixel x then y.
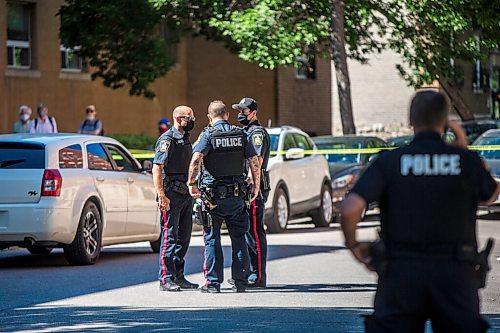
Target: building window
{"type": "Point", "coordinates": [70, 60]}
{"type": "Point", "coordinates": [306, 69]}
{"type": "Point", "coordinates": [18, 35]}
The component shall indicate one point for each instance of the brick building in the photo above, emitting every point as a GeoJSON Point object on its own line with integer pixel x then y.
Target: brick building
{"type": "Point", "coordinates": [36, 68]}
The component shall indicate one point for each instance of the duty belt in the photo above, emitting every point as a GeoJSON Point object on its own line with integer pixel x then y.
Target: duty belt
{"type": "Point", "coordinates": [176, 186]}
{"type": "Point", "coordinates": [465, 253]}
{"type": "Point", "coordinates": [226, 191]}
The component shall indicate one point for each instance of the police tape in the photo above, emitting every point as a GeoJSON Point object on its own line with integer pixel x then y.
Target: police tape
{"type": "Point", "coordinates": [337, 151]}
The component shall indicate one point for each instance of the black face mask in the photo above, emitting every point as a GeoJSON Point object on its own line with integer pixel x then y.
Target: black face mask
{"type": "Point", "coordinates": [243, 119]}
{"type": "Point", "coordinates": [190, 125]}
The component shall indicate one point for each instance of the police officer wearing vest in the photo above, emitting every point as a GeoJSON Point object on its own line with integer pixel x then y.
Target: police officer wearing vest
{"type": "Point", "coordinates": [426, 258]}
{"type": "Point", "coordinates": [223, 149]}
{"type": "Point", "coordinates": [170, 170]}
{"type": "Point", "coordinates": [256, 237]}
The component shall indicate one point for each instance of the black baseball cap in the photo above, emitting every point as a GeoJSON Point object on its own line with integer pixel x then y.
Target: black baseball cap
{"type": "Point", "coordinates": [246, 103]}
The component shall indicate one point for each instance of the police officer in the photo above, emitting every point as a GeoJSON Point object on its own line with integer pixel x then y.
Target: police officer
{"type": "Point", "coordinates": [172, 156]}
{"type": "Point", "coordinates": [223, 149]}
{"type": "Point", "coordinates": [428, 193]}
{"type": "Point", "coordinates": [256, 237]}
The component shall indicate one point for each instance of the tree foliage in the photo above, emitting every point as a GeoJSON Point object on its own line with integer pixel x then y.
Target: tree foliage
{"type": "Point", "coordinates": [119, 39]}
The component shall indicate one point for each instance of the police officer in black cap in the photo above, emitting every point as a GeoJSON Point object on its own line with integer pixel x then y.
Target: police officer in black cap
{"type": "Point", "coordinates": [256, 237]}
{"type": "Point", "coordinates": [172, 156]}
{"type": "Point", "coordinates": [426, 259]}
{"type": "Point", "coordinates": [223, 149]}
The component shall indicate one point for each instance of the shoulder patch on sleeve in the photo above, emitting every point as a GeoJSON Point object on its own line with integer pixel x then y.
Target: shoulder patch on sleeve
{"type": "Point", "coordinates": [257, 139]}
{"type": "Point", "coordinates": [164, 145]}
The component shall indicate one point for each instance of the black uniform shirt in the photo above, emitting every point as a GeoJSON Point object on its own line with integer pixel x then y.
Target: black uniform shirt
{"type": "Point", "coordinates": [173, 151]}
{"type": "Point", "coordinates": [427, 192]}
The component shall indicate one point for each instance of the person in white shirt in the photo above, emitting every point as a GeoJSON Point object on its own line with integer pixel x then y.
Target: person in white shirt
{"type": "Point", "coordinates": [43, 123]}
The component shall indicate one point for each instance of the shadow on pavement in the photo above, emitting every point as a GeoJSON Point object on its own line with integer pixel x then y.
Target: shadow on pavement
{"type": "Point", "coordinates": [124, 319]}
{"type": "Point", "coordinates": [27, 279]}
{"type": "Point", "coordinates": [320, 288]}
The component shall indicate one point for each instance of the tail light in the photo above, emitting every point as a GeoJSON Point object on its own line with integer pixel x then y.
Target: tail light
{"type": "Point", "coordinates": [51, 183]}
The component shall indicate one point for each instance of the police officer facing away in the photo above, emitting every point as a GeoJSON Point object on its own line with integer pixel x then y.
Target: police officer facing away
{"type": "Point", "coordinates": [223, 149]}
{"type": "Point", "coordinates": [428, 193]}
{"type": "Point", "coordinates": [256, 237]}
{"type": "Point", "coordinates": [172, 156]}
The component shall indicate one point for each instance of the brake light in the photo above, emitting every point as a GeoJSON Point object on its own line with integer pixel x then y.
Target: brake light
{"type": "Point", "coordinates": [51, 183]}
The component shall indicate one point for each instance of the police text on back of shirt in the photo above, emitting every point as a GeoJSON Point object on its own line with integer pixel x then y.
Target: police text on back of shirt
{"type": "Point", "coordinates": [430, 164]}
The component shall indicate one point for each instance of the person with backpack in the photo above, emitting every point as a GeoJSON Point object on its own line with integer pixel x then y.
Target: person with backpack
{"type": "Point", "coordinates": [91, 125]}
{"type": "Point", "coordinates": [43, 123]}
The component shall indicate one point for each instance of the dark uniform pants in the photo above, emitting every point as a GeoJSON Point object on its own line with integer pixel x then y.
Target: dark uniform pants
{"type": "Point", "coordinates": [257, 242]}
{"type": "Point", "coordinates": [414, 290]}
{"type": "Point", "coordinates": [233, 212]}
{"type": "Point", "coordinates": [176, 224]}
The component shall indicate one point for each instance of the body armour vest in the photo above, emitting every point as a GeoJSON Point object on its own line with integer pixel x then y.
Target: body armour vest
{"type": "Point", "coordinates": [227, 157]}
{"type": "Point", "coordinates": [179, 156]}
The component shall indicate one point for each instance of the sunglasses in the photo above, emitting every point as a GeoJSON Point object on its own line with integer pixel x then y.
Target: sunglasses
{"type": "Point", "coordinates": [186, 118]}
{"type": "Point", "coordinates": [89, 111]}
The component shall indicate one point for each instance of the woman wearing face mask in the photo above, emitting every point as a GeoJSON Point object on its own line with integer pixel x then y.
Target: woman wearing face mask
{"type": "Point", "coordinates": [24, 123]}
{"type": "Point", "coordinates": [91, 125]}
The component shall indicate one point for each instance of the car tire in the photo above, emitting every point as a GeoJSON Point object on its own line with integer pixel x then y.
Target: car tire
{"type": "Point", "coordinates": [281, 213]}
{"type": "Point", "coordinates": [323, 216]}
{"type": "Point", "coordinates": [155, 245]}
{"type": "Point", "coordinates": [39, 249]}
{"type": "Point", "coordinates": [86, 247]}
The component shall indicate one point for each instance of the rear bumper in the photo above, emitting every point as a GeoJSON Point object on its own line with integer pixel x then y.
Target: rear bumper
{"type": "Point", "coordinates": [47, 221]}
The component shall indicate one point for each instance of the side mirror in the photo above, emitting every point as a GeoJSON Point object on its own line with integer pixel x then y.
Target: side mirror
{"type": "Point", "coordinates": [372, 157]}
{"type": "Point", "coordinates": [294, 154]}
{"type": "Point", "coordinates": [147, 165]}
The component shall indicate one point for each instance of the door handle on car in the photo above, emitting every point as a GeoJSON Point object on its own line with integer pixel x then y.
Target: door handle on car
{"type": "Point", "coordinates": [130, 179]}
{"type": "Point", "coordinates": [99, 178]}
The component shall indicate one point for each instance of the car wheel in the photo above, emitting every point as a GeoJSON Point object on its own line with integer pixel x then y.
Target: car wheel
{"type": "Point", "coordinates": [86, 247]}
{"type": "Point", "coordinates": [39, 249]}
{"type": "Point", "coordinates": [324, 215]}
{"type": "Point", "coordinates": [279, 220]}
{"type": "Point", "coordinates": [155, 245]}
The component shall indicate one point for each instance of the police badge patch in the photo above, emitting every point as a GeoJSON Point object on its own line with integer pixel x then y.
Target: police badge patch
{"type": "Point", "coordinates": [164, 145]}
{"type": "Point", "coordinates": [257, 139]}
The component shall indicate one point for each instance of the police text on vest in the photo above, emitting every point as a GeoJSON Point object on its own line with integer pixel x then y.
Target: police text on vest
{"type": "Point", "coordinates": [430, 165]}
{"type": "Point", "coordinates": [228, 142]}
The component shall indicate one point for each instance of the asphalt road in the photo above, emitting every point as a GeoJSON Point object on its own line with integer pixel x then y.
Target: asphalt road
{"type": "Point", "coordinates": [314, 286]}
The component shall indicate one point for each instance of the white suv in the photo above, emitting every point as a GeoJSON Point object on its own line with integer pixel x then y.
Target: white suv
{"type": "Point", "coordinates": [77, 192]}
{"type": "Point", "coordinates": [300, 181]}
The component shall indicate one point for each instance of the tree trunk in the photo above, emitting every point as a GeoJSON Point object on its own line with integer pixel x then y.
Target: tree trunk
{"type": "Point", "coordinates": [339, 57]}
{"type": "Point", "coordinates": [456, 100]}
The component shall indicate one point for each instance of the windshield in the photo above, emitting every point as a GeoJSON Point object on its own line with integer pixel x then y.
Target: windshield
{"type": "Point", "coordinates": [489, 154]}
{"type": "Point", "coordinates": [15, 155]}
{"type": "Point", "coordinates": [341, 158]}
{"type": "Point", "coordinates": [275, 138]}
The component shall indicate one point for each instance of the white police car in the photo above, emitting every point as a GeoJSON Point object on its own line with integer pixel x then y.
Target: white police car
{"type": "Point", "coordinates": [300, 181]}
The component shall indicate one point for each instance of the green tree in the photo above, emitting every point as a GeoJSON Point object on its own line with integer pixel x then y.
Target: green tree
{"type": "Point", "coordinates": [119, 40]}
{"type": "Point", "coordinates": [434, 36]}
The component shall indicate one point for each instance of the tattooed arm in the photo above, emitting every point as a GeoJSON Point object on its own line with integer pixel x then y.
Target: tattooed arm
{"type": "Point", "coordinates": [255, 170]}
{"type": "Point", "coordinates": [194, 171]}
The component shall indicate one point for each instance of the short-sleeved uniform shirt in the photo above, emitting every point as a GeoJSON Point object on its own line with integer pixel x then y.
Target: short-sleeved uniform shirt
{"type": "Point", "coordinates": [259, 138]}
{"type": "Point", "coordinates": [165, 152]}
{"type": "Point", "coordinates": [203, 146]}
{"type": "Point", "coordinates": [427, 192]}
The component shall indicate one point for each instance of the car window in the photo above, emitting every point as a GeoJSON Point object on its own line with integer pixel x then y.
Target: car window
{"type": "Point", "coordinates": [289, 142]}
{"type": "Point", "coordinates": [71, 157]}
{"type": "Point", "coordinates": [97, 157]}
{"type": "Point", "coordinates": [274, 138]}
{"type": "Point", "coordinates": [302, 142]}
{"type": "Point", "coordinates": [121, 159]}
{"type": "Point", "coordinates": [14, 155]}
{"type": "Point", "coordinates": [492, 154]}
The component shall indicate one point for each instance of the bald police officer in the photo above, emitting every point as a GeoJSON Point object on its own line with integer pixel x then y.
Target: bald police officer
{"type": "Point", "coordinates": [223, 149]}
{"type": "Point", "coordinates": [256, 237]}
{"type": "Point", "coordinates": [428, 193]}
{"type": "Point", "coordinates": [172, 156]}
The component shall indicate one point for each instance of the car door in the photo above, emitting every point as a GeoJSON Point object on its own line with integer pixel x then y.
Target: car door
{"type": "Point", "coordinates": [312, 169]}
{"type": "Point", "coordinates": [112, 186]}
{"type": "Point", "coordinates": [142, 211]}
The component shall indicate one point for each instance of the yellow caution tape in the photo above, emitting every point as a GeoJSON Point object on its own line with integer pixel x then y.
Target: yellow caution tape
{"type": "Point", "coordinates": [337, 151]}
